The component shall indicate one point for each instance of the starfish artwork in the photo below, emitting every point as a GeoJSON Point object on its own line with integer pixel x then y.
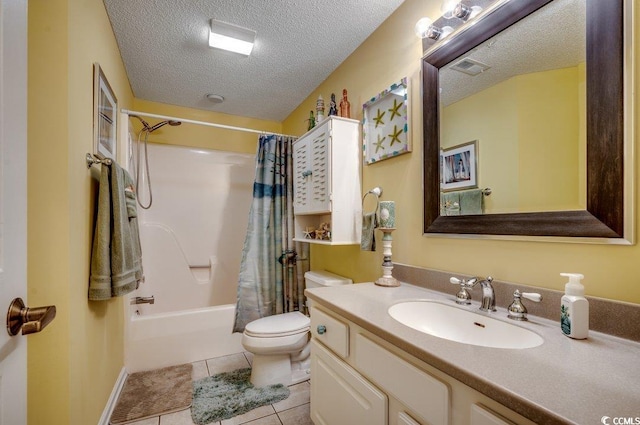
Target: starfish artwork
{"type": "Point", "coordinates": [395, 110]}
{"type": "Point", "coordinates": [385, 122]}
{"type": "Point", "coordinates": [395, 135]}
{"type": "Point", "coordinates": [379, 143]}
{"type": "Point", "coordinates": [378, 118]}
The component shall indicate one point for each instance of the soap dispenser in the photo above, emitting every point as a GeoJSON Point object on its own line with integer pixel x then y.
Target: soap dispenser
{"type": "Point", "coordinates": [574, 308]}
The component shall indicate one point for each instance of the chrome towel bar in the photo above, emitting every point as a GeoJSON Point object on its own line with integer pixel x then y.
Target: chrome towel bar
{"type": "Point", "coordinates": [92, 159]}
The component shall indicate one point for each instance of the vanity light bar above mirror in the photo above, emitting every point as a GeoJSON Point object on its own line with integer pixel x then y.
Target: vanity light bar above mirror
{"type": "Point", "coordinates": [454, 15]}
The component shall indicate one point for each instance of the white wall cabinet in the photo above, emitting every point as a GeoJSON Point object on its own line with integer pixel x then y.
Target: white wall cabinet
{"type": "Point", "coordinates": [327, 182]}
{"type": "Point", "coordinates": [375, 382]}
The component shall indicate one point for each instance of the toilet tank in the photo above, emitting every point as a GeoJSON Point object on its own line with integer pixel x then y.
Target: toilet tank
{"type": "Point", "coordinates": [315, 279]}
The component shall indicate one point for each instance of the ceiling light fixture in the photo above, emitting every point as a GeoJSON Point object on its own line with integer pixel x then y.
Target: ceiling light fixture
{"type": "Point", "coordinates": [231, 37]}
{"type": "Point", "coordinates": [215, 98]}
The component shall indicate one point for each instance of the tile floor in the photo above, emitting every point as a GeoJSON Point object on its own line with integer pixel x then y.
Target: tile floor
{"type": "Point", "coordinates": [291, 411]}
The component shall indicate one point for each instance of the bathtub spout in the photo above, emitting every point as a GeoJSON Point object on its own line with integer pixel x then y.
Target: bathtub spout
{"type": "Point", "coordinates": [143, 300]}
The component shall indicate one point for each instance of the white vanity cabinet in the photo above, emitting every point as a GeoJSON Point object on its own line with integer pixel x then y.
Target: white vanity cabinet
{"type": "Point", "coordinates": [327, 183]}
{"type": "Point", "coordinates": [483, 416]}
{"type": "Point", "coordinates": [374, 382]}
{"type": "Point", "coordinates": [341, 396]}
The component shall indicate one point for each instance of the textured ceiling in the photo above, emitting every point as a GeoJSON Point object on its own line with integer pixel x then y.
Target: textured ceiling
{"type": "Point", "coordinates": [553, 37]}
{"type": "Point", "coordinates": [299, 43]}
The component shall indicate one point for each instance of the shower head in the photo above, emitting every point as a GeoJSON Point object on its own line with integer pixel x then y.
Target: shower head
{"type": "Point", "coordinates": [145, 124]}
{"type": "Point", "coordinates": [147, 127]}
{"type": "Point", "coordinates": [172, 123]}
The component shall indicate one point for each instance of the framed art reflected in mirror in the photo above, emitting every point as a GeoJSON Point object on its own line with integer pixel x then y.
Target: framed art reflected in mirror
{"type": "Point", "coordinates": [459, 167]}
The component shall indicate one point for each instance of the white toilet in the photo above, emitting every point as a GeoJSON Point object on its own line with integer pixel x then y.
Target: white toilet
{"type": "Point", "coordinates": [280, 343]}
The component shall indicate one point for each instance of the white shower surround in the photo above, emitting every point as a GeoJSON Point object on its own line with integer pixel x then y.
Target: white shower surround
{"type": "Point", "coordinates": [192, 238]}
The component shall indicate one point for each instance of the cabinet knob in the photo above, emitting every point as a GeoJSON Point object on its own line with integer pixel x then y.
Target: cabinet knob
{"type": "Point", "coordinates": [321, 329]}
{"type": "Point", "coordinates": [307, 173]}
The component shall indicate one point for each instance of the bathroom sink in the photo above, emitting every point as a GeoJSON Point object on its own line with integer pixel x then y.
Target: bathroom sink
{"type": "Point", "coordinates": [459, 325]}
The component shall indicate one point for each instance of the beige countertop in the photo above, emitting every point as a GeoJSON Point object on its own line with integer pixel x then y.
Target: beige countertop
{"type": "Point", "coordinates": [561, 381]}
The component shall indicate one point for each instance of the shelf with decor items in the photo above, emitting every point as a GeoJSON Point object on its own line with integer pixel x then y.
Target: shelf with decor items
{"type": "Point", "coordinates": [327, 183]}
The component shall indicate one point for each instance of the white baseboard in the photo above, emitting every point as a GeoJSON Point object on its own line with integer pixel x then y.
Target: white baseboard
{"type": "Point", "coordinates": [115, 393]}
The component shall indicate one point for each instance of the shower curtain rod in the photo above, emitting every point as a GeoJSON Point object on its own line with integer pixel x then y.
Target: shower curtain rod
{"type": "Point", "coordinates": [209, 124]}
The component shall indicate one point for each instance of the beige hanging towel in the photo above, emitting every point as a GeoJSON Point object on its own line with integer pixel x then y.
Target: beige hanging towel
{"type": "Point", "coordinates": [116, 257]}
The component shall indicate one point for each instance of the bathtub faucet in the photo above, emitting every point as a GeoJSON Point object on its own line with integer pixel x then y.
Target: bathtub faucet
{"type": "Point", "coordinates": [143, 300]}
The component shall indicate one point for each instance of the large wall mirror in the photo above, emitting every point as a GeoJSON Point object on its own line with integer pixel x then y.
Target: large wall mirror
{"type": "Point", "coordinates": [530, 102]}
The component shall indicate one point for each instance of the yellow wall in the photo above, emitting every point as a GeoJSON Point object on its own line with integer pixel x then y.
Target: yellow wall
{"type": "Point", "coordinates": [548, 136]}
{"type": "Point", "coordinates": [391, 53]}
{"type": "Point", "coordinates": [74, 363]}
{"type": "Point", "coordinates": [527, 129]}
{"type": "Point", "coordinates": [473, 118]}
{"type": "Point", "coordinates": [199, 136]}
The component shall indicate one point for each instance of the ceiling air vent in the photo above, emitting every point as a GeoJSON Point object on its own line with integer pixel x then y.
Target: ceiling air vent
{"type": "Point", "coordinates": [470, 66]}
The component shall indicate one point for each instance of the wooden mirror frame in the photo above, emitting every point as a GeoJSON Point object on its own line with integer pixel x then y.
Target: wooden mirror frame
{"type": "Point", "coordinates": [604, 216]}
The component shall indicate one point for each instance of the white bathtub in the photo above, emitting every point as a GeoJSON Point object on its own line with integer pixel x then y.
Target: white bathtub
{"type": "Point", "coordinates": [168, 339]}
{"type": "Point", "coordinates": [192, 240]}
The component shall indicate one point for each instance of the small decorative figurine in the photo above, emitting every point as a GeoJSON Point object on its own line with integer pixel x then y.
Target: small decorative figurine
{"type": "Point", "coordinates": [345, 106]}
{"type": "Point", "coordinates": [312, 121]}
{"type": "Point", "coordinates": [319, 109]}
{"type": "Point", "coordinates": [324, 232]}
{"type": "Point", "coordinates": [333, 107]}
{"type": "Point", "coordinates": [308, 231]}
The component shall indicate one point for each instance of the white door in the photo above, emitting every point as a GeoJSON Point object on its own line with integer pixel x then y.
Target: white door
{"type": "Point", "coordinates": [13, 204]}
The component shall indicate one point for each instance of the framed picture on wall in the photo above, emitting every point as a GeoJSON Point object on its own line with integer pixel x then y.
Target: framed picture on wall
{"type": "Point", "coordinates": [459, 167]}
{"type": "Point", "coordinates": [385, 125]}
{"type": "Point", "coordinates": [105, 107]}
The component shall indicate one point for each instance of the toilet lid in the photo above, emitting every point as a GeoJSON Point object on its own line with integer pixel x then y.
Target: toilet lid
{"type": "Point", "coordinates": [279, 325]}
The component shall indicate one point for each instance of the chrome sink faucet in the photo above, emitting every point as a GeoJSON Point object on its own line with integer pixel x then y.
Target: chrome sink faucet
{"type": "Point", "coordinates": [488, 295]}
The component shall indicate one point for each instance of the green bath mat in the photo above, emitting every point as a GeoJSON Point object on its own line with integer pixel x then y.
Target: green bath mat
{"type": "Point", "coordinates": [229, 394]}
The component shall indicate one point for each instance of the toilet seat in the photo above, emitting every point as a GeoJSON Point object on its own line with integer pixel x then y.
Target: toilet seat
{"type": "Point", "coordinates": [278, 325]}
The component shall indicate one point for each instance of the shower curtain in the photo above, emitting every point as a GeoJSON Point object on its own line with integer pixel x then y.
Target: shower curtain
{"type": "Point", "coordinates": [267, 283]}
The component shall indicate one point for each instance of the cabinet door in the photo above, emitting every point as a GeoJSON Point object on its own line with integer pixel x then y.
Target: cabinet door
{"type": "Point", "coordinates": [312, 165]}
{"type": "Point", "coordinates": [335, 333]}
{"type": "Point", "coordinates": [320, 166]}
{"type": "Point", "coordinates": [302, 169]}
{"type": "Point", "coordinates": [339, 395]}
{"type": "Point", "coordinates": [422, 393]}
{"type": "Point", "coordinates": [483, 416]}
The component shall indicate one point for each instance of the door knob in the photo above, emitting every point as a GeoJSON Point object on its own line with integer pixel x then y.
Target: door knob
{"type": "Point", "coordinates": [30, 320]}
